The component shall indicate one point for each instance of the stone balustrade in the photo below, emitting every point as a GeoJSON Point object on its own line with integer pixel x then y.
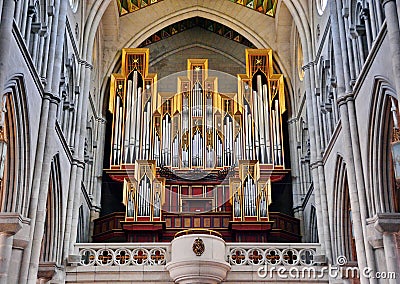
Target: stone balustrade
{"type": "Point", "coordinates": [123, 254]}
{"type": "Point", "coordinates": [271, 254]}
{"type": "Point", "coordinates": [152, 254]}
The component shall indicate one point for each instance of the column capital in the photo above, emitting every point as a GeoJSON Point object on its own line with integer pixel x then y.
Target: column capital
{"type": "Point", "coordinates": [10, 223]}
{"type": "Point", "coordinates": [308, 65]}
{"type": "Point", "coordinates": [292, 120]}
{"type": "Point", "coordinates": [386, 222]}
{"type": "Point", "coordinates": [375, 238]}
{"type": "Point", "coordinates": [384, 2]}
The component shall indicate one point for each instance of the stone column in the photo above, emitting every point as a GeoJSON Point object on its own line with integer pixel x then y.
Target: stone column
{"type": "Point", "coordinates": [78, 166]}
{"type": "Point", "coordinates": [10, 224]}
{"type": "Point", "coordinates": [297, 201]}
{"type": "Point", "coordinates": [389, 224]}
{"type": "Point", "coordinates": [392, 21]}
{"type": "Point", "coordinates": [322, 222]}
{"type": "Point", "coordinates": [6, 23]}
{"type": "Point", "coordinates": [355, 177]}
{"type": "Point", "coordinates": [43, 158]}
{"type": "Point", "coordinates": [38, 229]}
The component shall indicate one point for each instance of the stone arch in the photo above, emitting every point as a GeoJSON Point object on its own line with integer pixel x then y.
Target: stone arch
{"type": "Point", "coordinates": [51, 242]}
{"type": "Point", "coordinates": [15, 191]}
{"type": "Point", "coordinates": [313, 227]}
{"type": "Point", "coordinates": [380, 178]}
{"type": "Point", "coordinates": [256, 35]}
{"type": "Point", "coordinates": [342, 237]}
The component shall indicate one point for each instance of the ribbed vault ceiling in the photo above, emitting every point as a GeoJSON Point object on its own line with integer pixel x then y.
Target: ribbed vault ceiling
{"type": "Point", "coordinates": [267, 7]}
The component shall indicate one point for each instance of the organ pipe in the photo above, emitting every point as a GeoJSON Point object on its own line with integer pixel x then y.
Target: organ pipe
{"type": "Point", "coordinates": [193, 138]}
{"type": "Point", "coordinates": [278, 132]}
{"type": "Point", "coordinates": [261, 118]}
{"type": "Point", "coordinates": [267, 125]}
{"type": "Point", "coordinates": [198, 128]}
{"type": "Point", "coordinates": [127, 121]}
{"type": "Point", "coordinates": [139, 124]}
{"type": "Point", "coordinates": [116, 131]}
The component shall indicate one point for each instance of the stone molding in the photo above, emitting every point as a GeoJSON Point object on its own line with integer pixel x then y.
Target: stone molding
{"type": "Point", "coordinates": [386, 222]}
{"type": "Point", "coordinates": [10, 223]}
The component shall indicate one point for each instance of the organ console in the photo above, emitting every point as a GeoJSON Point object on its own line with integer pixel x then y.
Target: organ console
{"type": "Point", "coordinates": [198, 152]}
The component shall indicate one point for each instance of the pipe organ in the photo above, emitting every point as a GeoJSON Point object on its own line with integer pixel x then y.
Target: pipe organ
{"type": "Point", "coordinates": [198, 151]}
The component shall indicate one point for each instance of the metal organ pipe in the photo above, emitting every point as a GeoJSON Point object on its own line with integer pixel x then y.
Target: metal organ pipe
{"type": "Point", "coordinates": [175, 160]}
{"type": "Point", "coordinates": [145, 130]}
{"type": "Point", "coordinates": [116, 132]}
{"type": "Point", "coordinates": [127, 120]}
{"type": "Point", "coordinates": [261, 119]}
{"type": "Point", "coordinates": [157, 148]}
{"type": "Point", "coordinates": [133, 118]}
{"type": "Point", "coordinates": [246, 197]}
{"type": "Point", "coordinates": [256, 119]}
{"type": "Point", "coordinates": [246, 131]}
{"type": "Point", "coordinates": [278, 133]}
{"type": "Point", "coordinates": [249, 134]}
{"type": "Point", "coordinates": [164, 141]}
{"type": "Point", "coordinates": [140, 199]}
{"type": "Point", "coordinates": [147, 198]}
{"type": "Point", "coordinates": [138, 125]}
{"type": "Point", "coordinates": [168, 146]}
{"type": "Point", "coordinates": [275, 137]}
{"type": "Point", "coordinates": [185, 128]}
{"type": "Point", "coordinates": [146, 140]}
{"type": "Point", "coordinates": [194, 150]}
{"type": "Point", "coordinates": [119, 146]}
{"type": "Point", "coordinates": [228, 140]}
{"type": "Point", "coordinates": [253, 198]}
{"type": "Point", "coordinates": [267, 125]}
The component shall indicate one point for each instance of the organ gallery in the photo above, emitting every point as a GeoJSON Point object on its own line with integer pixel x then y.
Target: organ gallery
{"type": "Point", "coordinates": [198, 158]}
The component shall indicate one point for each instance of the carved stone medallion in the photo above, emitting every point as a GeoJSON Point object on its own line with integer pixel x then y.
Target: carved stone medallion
{"type": "Point", "coordinates": [198, 247]}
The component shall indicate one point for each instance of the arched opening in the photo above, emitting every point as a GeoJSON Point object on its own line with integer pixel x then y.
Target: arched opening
{"type": "Point", "coordinates": [14, 151]}
{"type": "Point", "coordinates": [383, 149]}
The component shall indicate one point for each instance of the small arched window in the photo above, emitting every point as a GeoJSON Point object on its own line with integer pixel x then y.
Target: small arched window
{"type": "Point", "coordinates": [321, 5]}
{"type": "Point", "coordinates": [74, 5]}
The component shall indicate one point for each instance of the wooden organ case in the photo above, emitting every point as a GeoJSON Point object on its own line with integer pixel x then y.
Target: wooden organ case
{"type": "Point", "coordinates": [197, 159]}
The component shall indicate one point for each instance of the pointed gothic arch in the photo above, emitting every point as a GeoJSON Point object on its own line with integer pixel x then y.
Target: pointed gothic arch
{"type": "Point", "coordinates": [380, 178]}
{"type": "Point", "coordinates": [18, 147]}
{"type": "Point", "coordinates": [52, 243]}
{"type": "Point", "coordinates": [343, 237]}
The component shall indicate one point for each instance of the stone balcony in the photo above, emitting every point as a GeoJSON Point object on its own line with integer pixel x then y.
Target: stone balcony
{"type": "Point", "coordinates": [148, 262]}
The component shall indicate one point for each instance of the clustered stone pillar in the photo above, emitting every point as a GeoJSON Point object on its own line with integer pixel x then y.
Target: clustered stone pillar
{"type": "Point", "coordinates": [6, 22]}
{"type": "Point", "coordinates": [351, 140]}
{"type": "Point", "coordinates": [10, 224]}
{"type": "Point", "coordinates": [392, 21]}
{"type": "Point", "coordinates": [388, 224]}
